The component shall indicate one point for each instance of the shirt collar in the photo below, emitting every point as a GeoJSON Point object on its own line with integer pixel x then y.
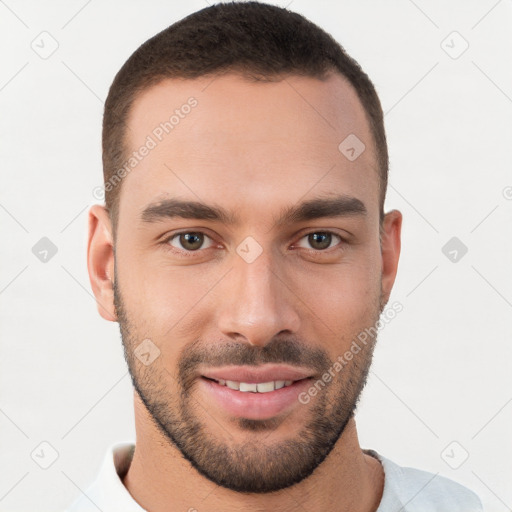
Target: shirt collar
{"type": "Point", "coordinates": [108, 488]}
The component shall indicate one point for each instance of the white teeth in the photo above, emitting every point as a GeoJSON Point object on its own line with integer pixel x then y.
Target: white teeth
{"type": "Point", "coordinates": [244, 386]}
{"type": "Point", "coordinates": [262, 387]}
{"type": "Point", "coordinates": [265, 387]}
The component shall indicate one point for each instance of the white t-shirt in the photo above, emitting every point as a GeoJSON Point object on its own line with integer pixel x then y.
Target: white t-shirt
{"type": "Point", "coordinates": [405, 489]}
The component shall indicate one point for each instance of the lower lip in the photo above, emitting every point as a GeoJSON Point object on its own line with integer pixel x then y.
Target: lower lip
{"type": "Point", "coordinates": [254, 406]}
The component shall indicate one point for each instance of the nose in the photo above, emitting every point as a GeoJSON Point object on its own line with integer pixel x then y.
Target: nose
{"type": "Point", "coordinates": [258, 302]}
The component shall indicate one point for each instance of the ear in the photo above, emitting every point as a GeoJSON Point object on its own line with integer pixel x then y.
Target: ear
{"type": "Point", "coordinates": [390, 251]}
{"type": "Point", "coordinates": [100, 261]}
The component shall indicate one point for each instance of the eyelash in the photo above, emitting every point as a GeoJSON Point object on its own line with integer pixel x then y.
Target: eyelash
{"type": "Point", "coordinates": [188, 253]}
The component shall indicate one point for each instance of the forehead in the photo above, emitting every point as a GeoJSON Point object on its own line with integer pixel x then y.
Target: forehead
{"type": "Point", "coordinates": [248, 142]}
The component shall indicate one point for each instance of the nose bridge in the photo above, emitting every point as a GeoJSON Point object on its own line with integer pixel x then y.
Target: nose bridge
{"type": "Point", "coordinates": [259, 306]}
{"type": "Point", "coordinates": [256, 283]}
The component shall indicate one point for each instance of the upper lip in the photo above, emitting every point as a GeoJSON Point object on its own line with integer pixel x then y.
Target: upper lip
{"type": "Point", "coordinates": [254, 374]}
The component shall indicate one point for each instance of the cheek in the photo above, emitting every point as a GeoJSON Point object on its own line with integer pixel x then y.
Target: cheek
{"type": "Point", "coordinates": [345, 286]}
{"type": "Point", "coordinates": [150, 285]}
{"type": "Point", "coordinates": [344, 299]}
{"type": "Point", "coordinates": [172, 303]}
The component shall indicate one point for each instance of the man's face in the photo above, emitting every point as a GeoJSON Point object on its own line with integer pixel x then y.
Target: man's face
{"type": "Point", "coordinates": [281, 295]}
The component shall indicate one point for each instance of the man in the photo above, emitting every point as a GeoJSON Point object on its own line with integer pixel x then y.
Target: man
{"type": "Point", "coordinates": [243, 250]}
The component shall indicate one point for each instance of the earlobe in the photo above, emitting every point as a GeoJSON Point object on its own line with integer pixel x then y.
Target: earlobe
{"type": "Point", "coordinates": [100, 261]}
{"type": "Point", "coordinates": [390, 251]}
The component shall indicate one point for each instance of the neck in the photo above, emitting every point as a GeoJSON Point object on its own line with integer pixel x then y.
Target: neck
{"type": "Point", "coordinates": [159, 479]}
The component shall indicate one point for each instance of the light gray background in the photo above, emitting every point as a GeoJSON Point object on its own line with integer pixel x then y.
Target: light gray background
{"type": "Point", "coordinates": [442, 366]}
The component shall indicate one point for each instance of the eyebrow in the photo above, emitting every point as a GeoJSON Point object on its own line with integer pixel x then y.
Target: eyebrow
{"type": "Point", "coordinates": [338, 206]}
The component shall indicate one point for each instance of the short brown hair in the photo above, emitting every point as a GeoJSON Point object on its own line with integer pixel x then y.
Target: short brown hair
{"type": "Point", "coordinates": [260, 41]}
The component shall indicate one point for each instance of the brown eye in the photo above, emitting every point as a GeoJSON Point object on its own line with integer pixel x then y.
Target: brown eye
{"type": "Point", "coordinates": [189, 241]}
{"type": "Point", "coordinates": [320, 240]}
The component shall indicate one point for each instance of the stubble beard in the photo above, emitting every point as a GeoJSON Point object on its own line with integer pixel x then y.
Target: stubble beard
{"type": "Point", "coordinates": [260, 464]}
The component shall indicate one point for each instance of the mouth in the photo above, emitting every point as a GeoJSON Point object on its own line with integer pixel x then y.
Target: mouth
{"type": "Point", "coordinates": [254, 392]}
{"type": "Point", "coordinates": [255, 387]}
{"type": "Point", "coordinates": [279, 375]}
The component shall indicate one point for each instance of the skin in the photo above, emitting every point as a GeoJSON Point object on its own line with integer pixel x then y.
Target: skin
{"type": "Point", "coordinates": [254, 149]}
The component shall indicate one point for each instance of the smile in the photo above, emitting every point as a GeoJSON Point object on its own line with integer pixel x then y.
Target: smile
{"type": "Point", "coordinates": [252, 387]}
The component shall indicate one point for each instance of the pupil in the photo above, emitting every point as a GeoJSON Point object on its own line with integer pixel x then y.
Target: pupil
{"type": "Point", "coordinates": [188, 240]}
{"type": "Point", "coordinates": [323, 238]}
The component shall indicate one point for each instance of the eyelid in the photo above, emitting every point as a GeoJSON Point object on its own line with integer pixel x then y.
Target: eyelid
{"type": "Point", "coordinates": [342, 240]}
{"type": "Point", "coordinates": [168, 238]}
